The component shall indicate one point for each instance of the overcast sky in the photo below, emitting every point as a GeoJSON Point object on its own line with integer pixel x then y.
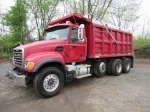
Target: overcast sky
{"type": "Point", "coordinates": [6, 3]}
{"type": "Point", "coordinates": [145, 5]}
{"type": "Point", "coordinates": [144, 11]}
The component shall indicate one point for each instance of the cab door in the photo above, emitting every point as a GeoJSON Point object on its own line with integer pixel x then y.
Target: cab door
{"type": "Point", "coordinates": [77, 49]}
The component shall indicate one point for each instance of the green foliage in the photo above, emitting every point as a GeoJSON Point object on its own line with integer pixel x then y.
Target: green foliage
{"type": "Point", "coordinates": [6, 55]}
{"type": "Point", "coordinates": [142, 47]}
{"type": "Point", "coordinates": [141, 41]}
{"type": "Point", "coordinates": [6, 45]}
{"type": "Point", "coordinates": [15, 19]}
{"type": "Point", "coordinates": [37, 12]}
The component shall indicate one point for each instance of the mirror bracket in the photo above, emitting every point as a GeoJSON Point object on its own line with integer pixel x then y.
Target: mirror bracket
{"type": "Point", "coordinates": [81, 33]}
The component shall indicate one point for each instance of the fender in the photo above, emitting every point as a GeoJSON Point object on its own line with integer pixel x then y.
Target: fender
{"type": "Point", "coordinates": [45, 62]}
{"type": "Point", "coordinates": [45, 57]}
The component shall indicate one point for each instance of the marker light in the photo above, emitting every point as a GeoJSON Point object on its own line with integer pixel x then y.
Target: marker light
{"type": "Point", "coordinates": [30, 65]}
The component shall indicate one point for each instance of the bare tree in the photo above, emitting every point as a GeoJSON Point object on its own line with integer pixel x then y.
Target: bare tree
{"type": "Point", "coordinates": [95, 7]}
{"type": "Point", "coordinates": [123, 12]}
{"type": "Point", "coordinates": [145, 28]}
{"type": "Point", "coordinates": [40, 13]}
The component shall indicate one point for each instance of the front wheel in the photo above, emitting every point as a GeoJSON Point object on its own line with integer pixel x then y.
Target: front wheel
{"type": "Point", "coordinates": [48, 82]}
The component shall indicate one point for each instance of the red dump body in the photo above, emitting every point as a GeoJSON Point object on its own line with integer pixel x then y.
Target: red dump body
{"type": "Point", "coordinates": [99, 42]}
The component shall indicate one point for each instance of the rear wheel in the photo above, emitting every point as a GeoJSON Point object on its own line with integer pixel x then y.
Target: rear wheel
{"type": "Point", "coordinates": [100, 68]}
{"type": "Point", "coordinates": [48, 82]}
{"type": "Point", "coordinates": [126, 65]}
{"type": "Point", "coordinates": [109, 71]}
{"type": "Point", "coordinates": [117, 67]}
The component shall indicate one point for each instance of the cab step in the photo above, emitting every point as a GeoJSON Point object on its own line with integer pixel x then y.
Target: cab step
{"type": "Point", "coordinates": [82, 76]}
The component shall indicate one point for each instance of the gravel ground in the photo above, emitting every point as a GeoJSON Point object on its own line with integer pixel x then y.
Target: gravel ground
{"type": "Point", "coordinates": [126, 93]}
{"type": "Point", "coordinates": [4, 68]}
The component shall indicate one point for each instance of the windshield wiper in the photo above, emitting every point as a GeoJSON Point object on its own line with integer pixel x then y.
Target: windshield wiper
{"type": "Point", "coordinates": [53, 38]}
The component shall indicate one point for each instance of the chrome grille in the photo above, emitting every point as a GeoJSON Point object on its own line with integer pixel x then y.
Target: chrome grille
{"type": "Point", "coordinates": [18, 57]}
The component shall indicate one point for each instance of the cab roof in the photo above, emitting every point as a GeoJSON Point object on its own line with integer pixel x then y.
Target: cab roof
{"type": "Point", "coordinates": [75, 18]}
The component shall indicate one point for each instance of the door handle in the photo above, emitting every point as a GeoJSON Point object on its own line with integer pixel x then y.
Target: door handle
{"type": "Point", "coordinates": [74, 46]}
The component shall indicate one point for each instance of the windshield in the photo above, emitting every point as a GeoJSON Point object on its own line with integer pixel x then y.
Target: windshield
{"type": "Point", "coordinates": [58, 33]}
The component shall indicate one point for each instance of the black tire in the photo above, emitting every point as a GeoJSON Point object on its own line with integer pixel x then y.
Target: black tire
{"type": "Point", "coordinates": [109, 71]}
{"type": "Point", "coordinates": [52, 76]}
{"type": "Point", "coordinates": [100, 68]}
{"type": "Point", "coordinates": [117, 67]}
{"type": "Point", "coordinates": [126, 65]}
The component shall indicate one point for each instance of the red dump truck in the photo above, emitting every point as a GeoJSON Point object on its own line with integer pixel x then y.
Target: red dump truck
{"type": "Point", "coordinates": [75, 46]}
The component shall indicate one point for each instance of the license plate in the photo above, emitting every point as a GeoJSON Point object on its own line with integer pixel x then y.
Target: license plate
{"type": "Point", "coordinates": [19, 80]}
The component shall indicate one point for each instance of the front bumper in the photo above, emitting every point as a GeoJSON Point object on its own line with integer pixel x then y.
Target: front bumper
{"type": "Point", "coordinates": [19, 79]}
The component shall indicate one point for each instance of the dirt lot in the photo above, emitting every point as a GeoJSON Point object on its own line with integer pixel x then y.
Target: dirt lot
{"type": "Point", "coordinates": [126, 93]}
{"type": "Point", "coordinates": [2, 59]}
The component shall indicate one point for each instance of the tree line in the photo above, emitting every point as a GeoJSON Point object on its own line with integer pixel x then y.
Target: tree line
{"type": "Point", "coordinates": [26, 20]}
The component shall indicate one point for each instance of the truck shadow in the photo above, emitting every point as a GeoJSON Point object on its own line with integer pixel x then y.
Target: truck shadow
{"type": "Point", "coordinates": [75, 85]}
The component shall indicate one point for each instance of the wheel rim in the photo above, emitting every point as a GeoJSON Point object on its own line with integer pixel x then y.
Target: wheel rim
{"type": "Point", "coordinates": [128, 66]}
{"type": "Point", "coordinates": [119, 67]}
{"type": "Point", "coordinates": [102, 67]}
{"type": "Point", "coordinates": [51, 82]}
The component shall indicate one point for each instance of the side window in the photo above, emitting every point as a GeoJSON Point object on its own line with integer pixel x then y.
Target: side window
{"type": "Point", "coordinates": [74, 36]}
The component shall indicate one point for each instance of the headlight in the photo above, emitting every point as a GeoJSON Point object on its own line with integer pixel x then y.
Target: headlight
{"type": "Point", "coordinates": [25, 64]}
{"type": "Point", "coordinates": [28, 65]}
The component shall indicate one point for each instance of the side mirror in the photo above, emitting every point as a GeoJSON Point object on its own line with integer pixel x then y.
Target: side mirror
{"type": "Point", "coordinates": [80, 33]}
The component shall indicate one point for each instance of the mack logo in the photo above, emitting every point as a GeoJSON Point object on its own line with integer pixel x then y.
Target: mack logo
{"type": "Point", "coordinates": [16, 49]}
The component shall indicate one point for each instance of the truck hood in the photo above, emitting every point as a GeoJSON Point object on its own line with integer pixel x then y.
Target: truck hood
{"type": "Point", "coordinates": [41, 46]}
